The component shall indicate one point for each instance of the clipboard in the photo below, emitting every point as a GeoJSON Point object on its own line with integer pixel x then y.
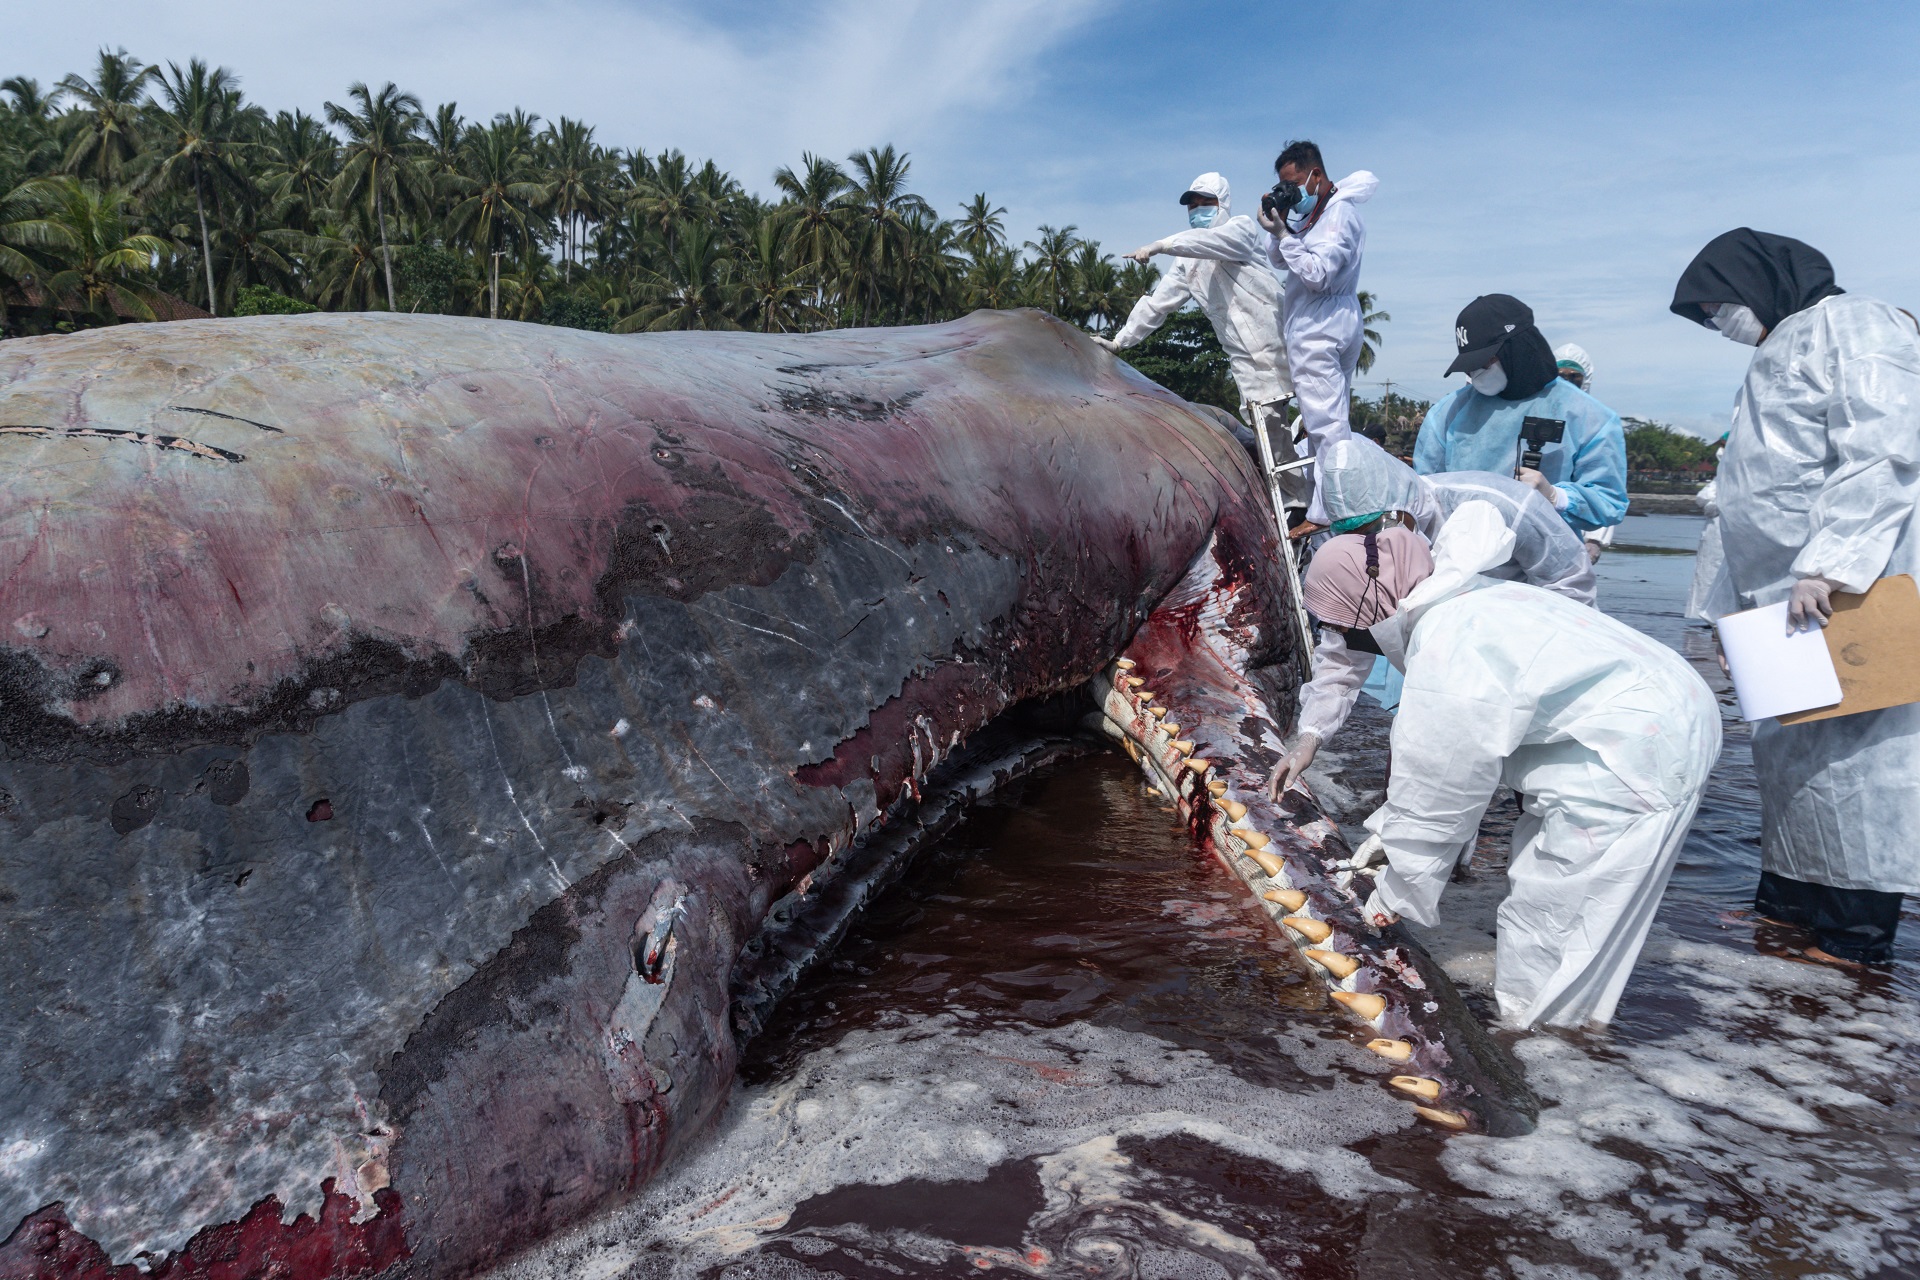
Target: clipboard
{"type": "Point", "coordinates": [1875, 642]}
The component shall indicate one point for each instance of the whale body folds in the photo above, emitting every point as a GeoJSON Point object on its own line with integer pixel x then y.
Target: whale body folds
{"type": "Point", "coordinates": [420, 739]}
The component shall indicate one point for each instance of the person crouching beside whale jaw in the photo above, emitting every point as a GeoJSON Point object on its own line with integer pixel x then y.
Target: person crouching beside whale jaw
{"type": "Point", "coordinates": [1607, 735]}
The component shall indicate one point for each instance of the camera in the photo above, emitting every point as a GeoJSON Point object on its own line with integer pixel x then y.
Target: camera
{"type": "Point", "coordinates": [1281, 200]}
{"type": "Point", "coordinates": [1536, 434]}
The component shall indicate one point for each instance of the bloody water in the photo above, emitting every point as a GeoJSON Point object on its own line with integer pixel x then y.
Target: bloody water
{"type": "Point", "coordinates": [1068, 1045]}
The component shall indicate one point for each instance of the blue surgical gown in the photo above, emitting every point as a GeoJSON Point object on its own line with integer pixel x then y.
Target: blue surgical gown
{"type": "Point", "coordinates": [1471, 432]}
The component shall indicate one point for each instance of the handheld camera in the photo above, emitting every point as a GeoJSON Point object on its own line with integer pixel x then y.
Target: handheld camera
{"type": "Point", "coordinates": [1281, 200]}
{"type": "Point", "coordinates": [1535, 435]}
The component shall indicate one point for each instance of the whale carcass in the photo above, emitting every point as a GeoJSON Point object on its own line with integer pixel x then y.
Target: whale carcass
{"type": "Point", "coordinates": [429, 746]}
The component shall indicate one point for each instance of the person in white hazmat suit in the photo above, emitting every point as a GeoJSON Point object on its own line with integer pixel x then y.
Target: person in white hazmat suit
{"type": "Point", "coordinates": [1816, 494]}
{"type": "Point", "coordinates": [1607, 734]}
{"type": "Point", "coordinates": [1223, 269]}
{"type": "Point", "coordinates": [1319, 243]}
{"type": "Point", "coordinates": [1366, 486]}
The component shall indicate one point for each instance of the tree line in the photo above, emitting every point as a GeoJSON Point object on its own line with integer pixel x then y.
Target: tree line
{"type": "Point", "coordinates": [135, 183]}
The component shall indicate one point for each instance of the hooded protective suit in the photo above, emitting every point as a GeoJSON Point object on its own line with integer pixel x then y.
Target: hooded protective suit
{"type": "Point", "coordinates": [1608, 734]}
{"type": "Point", "coordinates": [1223, 269]}
{"type": "Point", "coordinates": [1820, 478]}
{"type": "Point", "coordinates": [1361, 478]}
{"type": "Point", "coordinates": [1322, 303]}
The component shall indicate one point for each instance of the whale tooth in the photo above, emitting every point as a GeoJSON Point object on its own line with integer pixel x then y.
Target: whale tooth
{"type": "Point", "coordinates": [1197, 764]}
{"type": "Point", "coordinates": [1308, 928]}
{"type": "Point", "coordinates": [1251, 838]}
{"type": "Point", "coordinates": [1235, 810]}
{"type": "Point", "coordinates": [1133, 682]}
{"type": "Point", "coordinates": [1269, 863]}
{"type": "Point", "coordinates": [1392, 1050]}
{"type": "Point", "coordinates": [1155, 792]}
{"type": "Point", "coordinates": [1169, 728]}
{"type": "Point", "coordinates": [1132, 751]}
{"type": "Point", "coordinates": [1419, 1086]}
{"type": "Point", "coordinates": [1291, 899]}
{"type": "Point", "coordinates": [1158, 713]}
{"type": "Point", "coordinates": [1365, 1003]}
{"type": "Point", "coordinates": [1218, 788]}
{"type": "Point", "coordinates": [1143, 696]}
{"type": "Point", "coordinates": [1183, 746]}
{"type": "Point", "coordinates": [1445, 1119]}
{"type": "Point", "coordinates": [1333, 962]}
{"type": "Point", "coordinates": [1125, 664]}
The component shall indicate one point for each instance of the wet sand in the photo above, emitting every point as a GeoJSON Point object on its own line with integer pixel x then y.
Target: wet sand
{"type": "Point", "coordinates": [1068, 1045]}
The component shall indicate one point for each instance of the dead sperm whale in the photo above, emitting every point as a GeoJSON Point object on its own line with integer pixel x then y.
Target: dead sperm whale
{"type": "Point", "coordinates": [428, 746]}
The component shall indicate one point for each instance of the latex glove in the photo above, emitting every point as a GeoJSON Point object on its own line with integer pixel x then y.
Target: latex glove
{"type": "Point", "coordinates": [1811, 604]}
{"type": "Point", "coordinates": [1293, 764]}
{"type": "Point", "coordinates": [1542, 485]}
{"type": "Point", "coordinates": [1373, 849]}
{"type": "Point", "coordinates": [1593, 552]}
{"type": "Point", "coordinates": [1107, 343]}
{"type": "Point", "coordinates": [1376, 912]}
{"type": "Point", "coordinates": [1144, 252]}
{"type": "Point", "coordinates": [1276, 224]}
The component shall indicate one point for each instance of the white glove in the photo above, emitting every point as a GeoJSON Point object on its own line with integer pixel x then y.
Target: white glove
{"type": "Point", "coordinates": [1106, 343]}
{"type": "Point", "coordinates": [1274, 223]}
{"type": "Point", "coordinates": [1293, 764]}
{"type": "Point", "coordinates": [1376, 912]}
{"type": "Point", "coordinates": [1811, 604]}
{"type": "Point", "coordinates": [1373, 849]}
{"type": "Point", "coordinates": [1144, 252]}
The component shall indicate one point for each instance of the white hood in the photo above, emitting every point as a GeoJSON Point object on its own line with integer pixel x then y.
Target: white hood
{"type": "Point", "coordinates": [1357, 186]}
{"type": "Point", "coordinates": [1213, 184]}
{"type": "Point", "coordinates": [1473, 540]}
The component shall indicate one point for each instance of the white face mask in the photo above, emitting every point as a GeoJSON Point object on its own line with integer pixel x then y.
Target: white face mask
{"type": "Point", "coordinates": [1739, 323]}
{"type": "Point", "coordinates": [1490, 381]}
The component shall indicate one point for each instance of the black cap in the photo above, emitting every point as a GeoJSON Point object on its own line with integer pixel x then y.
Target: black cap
{"type": "Point", "coordinates": [1483, 328]}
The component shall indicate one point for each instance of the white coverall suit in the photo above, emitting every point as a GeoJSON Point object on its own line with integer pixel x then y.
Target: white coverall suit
{"type": "Point", "coordinates": [1322, 305]}
{"type": "Point", "coordinates": [1608, 734]}
{"type": "Point", "coordinates": [1223, 269]}
{"type": "Point", "coordinates": [1820, 478]}
{"type": "Point", "coordinates": [1360, 478]}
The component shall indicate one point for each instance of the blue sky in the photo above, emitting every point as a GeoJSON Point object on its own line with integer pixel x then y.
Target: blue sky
{"type": "Point", "coordinates": [1573, 155]}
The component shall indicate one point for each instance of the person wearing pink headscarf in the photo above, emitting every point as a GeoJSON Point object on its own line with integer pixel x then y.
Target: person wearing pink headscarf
{"type": "Point", "coordinates": [1607, 734]}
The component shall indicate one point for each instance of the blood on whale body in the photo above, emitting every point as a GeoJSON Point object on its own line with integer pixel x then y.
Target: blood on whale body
{"type": "Point", "coordinates": [426, 743]}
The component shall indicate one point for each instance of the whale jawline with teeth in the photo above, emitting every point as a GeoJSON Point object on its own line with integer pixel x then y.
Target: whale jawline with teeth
{"type": "Point", "coordinates": [407, 808]}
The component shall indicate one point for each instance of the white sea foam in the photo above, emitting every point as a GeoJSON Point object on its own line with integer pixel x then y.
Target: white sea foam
{"type": "Point", "coordinates": [936, 1099]}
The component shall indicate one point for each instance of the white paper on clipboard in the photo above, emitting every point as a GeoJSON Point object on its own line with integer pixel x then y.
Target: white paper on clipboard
{"type": "Point", "coordinates": [1775, 673]}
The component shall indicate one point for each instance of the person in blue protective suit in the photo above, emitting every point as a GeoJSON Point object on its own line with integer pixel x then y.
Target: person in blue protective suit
{"type": "Point", "coordinates": [1512, 376]}
{"type": "Point", "coordinates": [1816, 494]}
{"type": "Point", "coordinates": [1368, 488]}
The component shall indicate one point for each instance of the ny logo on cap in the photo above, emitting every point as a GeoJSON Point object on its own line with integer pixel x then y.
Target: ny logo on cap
{"type": "Point", "coordinates": [1460, 336]}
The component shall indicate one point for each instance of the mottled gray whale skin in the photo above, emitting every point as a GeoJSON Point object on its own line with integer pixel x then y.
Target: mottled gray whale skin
{"type": "Point", "coordinates": [415, 733]}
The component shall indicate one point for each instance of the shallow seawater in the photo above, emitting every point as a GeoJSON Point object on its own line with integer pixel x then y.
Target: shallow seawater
{"type": "Point", "coordinates": [1067, 1045]}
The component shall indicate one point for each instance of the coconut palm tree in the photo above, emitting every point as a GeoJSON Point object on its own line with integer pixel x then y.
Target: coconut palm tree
{"type": "Point", "coordinates": [377, 161]}
{"type": "Point", "coordinates": [1097, 293]}
{"type": "Point", "coordinates": [695, 290]}
{"type": "Point", "coordinates": [302, 161]}
{"type": "Point", "coordinates": [576, 177]}
{"type": "Point", "coordinates": [877, 203]}
{"type": "Point", "coordinates": [20, 204]}
{"type": "Point", "coordinates": [194, 145]}
{"type": "Point", "coordinates": [670, 199]}
{"type": "Point", "coordinates": [499, 200]}
{"type": "Point", "coordinates": [96, 258]}
{"type": "Point", "coordinates": [981, 226]}
{"type": "Point", "coordinates": [814, 218]}
{"type": "Point", "coordinates": [995, 281]}
{"type": "Point", "coordinates": [104, 125]}
{"type": "Point", "coordinates": [347, 259]}
{"type": "Point", "coordinates": [1369, 336]}
{"type": "Point", "coordinates": [30, 102]}
{"type": "Point", "coordinates": [776, 286]}
{"type": "Point", "coordinates": [1052, 264]}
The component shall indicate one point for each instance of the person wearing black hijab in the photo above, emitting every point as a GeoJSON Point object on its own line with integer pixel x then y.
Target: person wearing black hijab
{"type": "Point", "coordinates": [1816, 494]}
{"type": "Point", "coordinates": [1512, 376]}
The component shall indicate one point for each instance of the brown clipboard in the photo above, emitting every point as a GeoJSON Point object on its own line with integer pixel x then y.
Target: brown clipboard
{"type": "Point", "coordinates": [1875, 642]}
